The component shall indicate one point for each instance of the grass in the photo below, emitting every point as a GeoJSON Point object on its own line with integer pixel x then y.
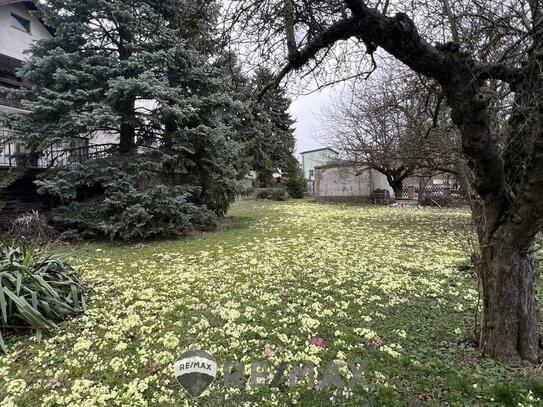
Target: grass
{"type": "Point", "coordinates": [381, 286]}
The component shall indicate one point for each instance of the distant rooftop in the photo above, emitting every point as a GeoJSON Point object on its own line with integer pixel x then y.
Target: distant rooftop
{"type": "Point", "coordinates": [319, 149]}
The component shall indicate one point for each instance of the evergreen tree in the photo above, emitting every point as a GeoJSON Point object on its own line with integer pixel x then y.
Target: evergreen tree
{"type": "Point", "coordinates": [264, 127]}
{"type": "Point", "coordinates": [295, 182]}
{"type": "Point", "coordinates": [238, 85]}
{"type": "Point", "coordinates": [133, 70]}
{"type": "Point", "coordinates": [279, 143]}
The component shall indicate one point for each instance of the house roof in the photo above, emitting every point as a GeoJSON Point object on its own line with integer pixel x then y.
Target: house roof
{"type": "Point", "coordinates": [29, 4]}
{"type": "Point", "coordinates": [319, 149]}
{"type": "Point", "coordinates": [342, 163]}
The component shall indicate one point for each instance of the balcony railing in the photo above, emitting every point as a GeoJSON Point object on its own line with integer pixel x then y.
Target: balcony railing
{"type": "Point", "coordinates": [9, 80]}
{"type": "Point", "coordinates": [7, 101]}
{"type": "Point", "coordinates": [12, 154]}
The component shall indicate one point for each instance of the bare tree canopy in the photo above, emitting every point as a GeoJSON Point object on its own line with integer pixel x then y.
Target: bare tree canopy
{"type": "Point", "coordinates": [470, 48]}
{"type": "Point", "coordinates": [395, 124]}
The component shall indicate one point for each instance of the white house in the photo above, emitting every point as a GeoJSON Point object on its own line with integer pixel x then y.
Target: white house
{"type": "Point", "coordinates": [19, 28]}
{"type": "Point", "coordinates": [314, 158]}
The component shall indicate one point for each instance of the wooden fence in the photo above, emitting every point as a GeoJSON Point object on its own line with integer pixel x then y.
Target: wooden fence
{"type": "Point", "coordinates": [416, 192]}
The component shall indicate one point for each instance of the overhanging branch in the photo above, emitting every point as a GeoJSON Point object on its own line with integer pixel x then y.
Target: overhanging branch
{"type": "Point", "coordinates": [342, 30]}
{"type": "Point", "coordinates": [499, 72]}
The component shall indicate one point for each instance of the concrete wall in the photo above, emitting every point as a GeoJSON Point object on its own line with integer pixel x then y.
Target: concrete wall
{"type": "Point", "coordinates": [13, 41]}
{"type": "Point", "coordinates": [344, 183]}
{"type": "Point", "coordinates": [313, 159]}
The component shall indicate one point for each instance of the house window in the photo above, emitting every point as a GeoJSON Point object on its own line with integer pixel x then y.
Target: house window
{"type": "Point", "coordinates": [20, 23]}
{"type": "Point", "coordinates": [311, 173]}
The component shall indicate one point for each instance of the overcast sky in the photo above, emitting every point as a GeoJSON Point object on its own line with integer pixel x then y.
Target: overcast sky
{"type": "Point", "coordinates": [306, 110]}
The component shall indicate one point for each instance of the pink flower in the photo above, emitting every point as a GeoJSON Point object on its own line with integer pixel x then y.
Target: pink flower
{"type": "Point", "coordinates": [376, 342]}
{"type": "Point", "coordinates": [268, 351]}
{"type": "Point", "coordinates": [319, 342]}
{"type": "Point", "coordinates": [53, 384]}
{"type": "Point", "coordinates": [319, 385]}
{"type": "Point", "coordinates": [152, 368]}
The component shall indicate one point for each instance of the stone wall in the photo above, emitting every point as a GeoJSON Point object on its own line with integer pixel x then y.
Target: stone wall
{"type": "Point", "coordinates": [345, 183]}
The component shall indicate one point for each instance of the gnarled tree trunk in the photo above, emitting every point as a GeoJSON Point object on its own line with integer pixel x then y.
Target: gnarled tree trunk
{"type": "Point", "coordinates": [509, 329]}
{"type": "Point", "coordinates": [397, 186]}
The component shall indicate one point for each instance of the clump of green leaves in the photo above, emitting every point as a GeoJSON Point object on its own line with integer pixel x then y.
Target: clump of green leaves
{"type": "Point", "coordinates": [36, 290]}
{"type": "Point", "coordinates": [274, 194]}
{"type": "Point", "coordinates": [295, 183]}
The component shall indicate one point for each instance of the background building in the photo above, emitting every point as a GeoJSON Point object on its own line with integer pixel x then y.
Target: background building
{"type": "Point", "coordinates": [19, 28]}
{"type": "Point", "coordinates": [347, 182]}
{"type": "Point", "coordinates": [315, 158]}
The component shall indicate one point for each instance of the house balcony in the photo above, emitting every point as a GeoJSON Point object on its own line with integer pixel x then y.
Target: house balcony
{"type": "Point", "coordinates": [9, 80]}
{"type": "Point", "coordinates": [7, 102]}
{"type": "Point", "coordinates": [15, 154]}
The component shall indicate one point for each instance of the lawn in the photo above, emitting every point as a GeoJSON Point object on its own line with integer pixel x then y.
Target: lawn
{"type": "Point", "coordinates": [385, 288]}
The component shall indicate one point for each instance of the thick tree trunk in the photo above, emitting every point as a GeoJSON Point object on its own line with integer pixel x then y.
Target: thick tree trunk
{"type": "Point", "coordinates": [510, 328]}
{"type": "Point", "coordinates": [127, 143]}
{"type": "Point", "coordinates": [127, 107]}
{"type": "Point", "coordinates": [397, 186]}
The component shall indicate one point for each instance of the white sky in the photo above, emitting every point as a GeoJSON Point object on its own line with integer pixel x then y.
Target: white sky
{"type": "Point", "coordinates": [306, 110]}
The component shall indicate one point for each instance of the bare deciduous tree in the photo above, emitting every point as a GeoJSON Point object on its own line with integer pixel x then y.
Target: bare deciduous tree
{"type": "Point", "coordinates": [484, 44]}
{"type": "Point", "coordinates": [395, 125]}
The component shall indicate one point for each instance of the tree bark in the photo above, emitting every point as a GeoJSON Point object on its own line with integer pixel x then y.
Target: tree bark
{"type": "Point", "coordinates": [127, 134]}
{"type": "Point", "coordinates": [397, 186]}
{"type": "Point", "coordinates": [509, 329]}
{"type": "Point", "coordinates": [127, 107]}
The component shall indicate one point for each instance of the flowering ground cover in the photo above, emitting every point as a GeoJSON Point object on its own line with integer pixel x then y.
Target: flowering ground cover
{"type": "Point", "coordinates": [292, 282]}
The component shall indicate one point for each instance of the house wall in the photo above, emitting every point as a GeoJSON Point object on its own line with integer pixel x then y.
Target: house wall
{"type": "Point", "coordinates": [345, 183]}
{"type": "Point", "coordinates": [14, 42]}
{"type": "Point", "coordinates": [313, 159]}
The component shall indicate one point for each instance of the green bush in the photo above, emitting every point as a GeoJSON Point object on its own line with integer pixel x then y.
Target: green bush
{"type": "Point", "coordinates": [279, 194]}
{"type": "Point", "coordinates": [246, 191]}
{"type": "Point", "coordinates": [36, 290]}
{"type": "Point", "coordinates": [264, 193]}
{"type": "Point", "coordinates": [296, 186]}
{"type": "Point", "coordinates": [275, 194]}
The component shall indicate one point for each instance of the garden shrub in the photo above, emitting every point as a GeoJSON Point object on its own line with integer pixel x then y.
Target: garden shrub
{"type": "Point", "coordinates": [263, 193]}
{"type": "Point", "coordinates": [279, 194]}
{"type": "Point", "coordinates": [36, 290]}
{"type": "Point", "coordinates": [296, 186]}
{"type": "Point", "coordinates": [246, 191]}
{"type": "Point", "coordinates": [275, 194]}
